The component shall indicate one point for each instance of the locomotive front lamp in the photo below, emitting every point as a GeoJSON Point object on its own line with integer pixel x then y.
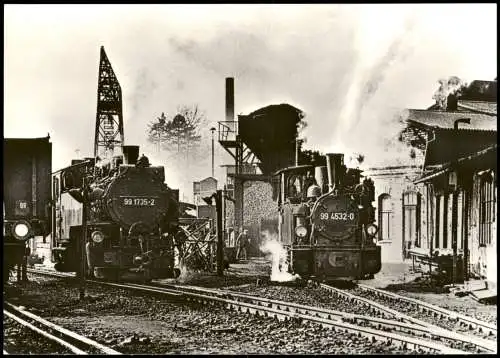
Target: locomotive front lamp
{"type": "Point", "coordinates": [21, 230]}
{"type": "Point", "coordinates": [372, 230]}
{"type": "Point", "coordinates": [97, 237]}
{"type": "Point", "coordinates": [300, 231]}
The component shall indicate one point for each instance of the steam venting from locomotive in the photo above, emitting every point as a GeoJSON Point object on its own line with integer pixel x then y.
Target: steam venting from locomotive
{"type": "Point", "coordinates": [185, 274]}
{"type": "Point", "coordinates": [279, 263]}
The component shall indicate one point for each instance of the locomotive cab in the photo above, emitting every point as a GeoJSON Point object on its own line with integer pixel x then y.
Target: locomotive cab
{"type": "Point", "coordinates": [298, 192]}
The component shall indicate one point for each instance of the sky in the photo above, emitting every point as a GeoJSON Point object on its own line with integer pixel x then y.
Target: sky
{"type": "Point", "coordinates": [351, 69]}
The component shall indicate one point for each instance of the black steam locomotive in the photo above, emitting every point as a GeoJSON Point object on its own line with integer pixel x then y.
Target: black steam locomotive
{"type": "Point", "coordinates": [326, 220]}
{"type": "Point", "coordinates": [26, 189]}
{"type": "Point", "coordinates": [131, 220]}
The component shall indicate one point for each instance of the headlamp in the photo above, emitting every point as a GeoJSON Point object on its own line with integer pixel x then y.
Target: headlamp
{"type": "Point", "coordinates": [21, 230]}
{"type": "Point", "coordinates": [97, 237]}
{"type": "Point", "coordinates": [371, 230]}
{"type": "Point", "coordinates": [300, 231]}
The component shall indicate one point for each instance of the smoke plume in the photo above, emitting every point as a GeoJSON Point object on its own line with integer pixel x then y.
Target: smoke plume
{"type": "Point", "coordinates": [274, 251]}
{"type": "Point", "coordinates": [452, 85]}
{"type": "Point", "coordinates": [369, 122]}
{"type": "Point", "coordinates": [316, 57]}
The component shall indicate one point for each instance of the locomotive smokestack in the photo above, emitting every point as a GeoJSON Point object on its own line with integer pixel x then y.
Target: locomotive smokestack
{"type": "Point", "coordinates": [298, 146]}
{"type": "Point", "coordinates": [334, 163]}
{"type": "Point", "coordinates": [229, 99]}
{"type": "Point", "coordinates": [130, 154]}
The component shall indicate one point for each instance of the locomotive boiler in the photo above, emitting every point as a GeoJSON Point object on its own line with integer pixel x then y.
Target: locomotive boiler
{"type": "Point", "coordinates": [326, 220]}
{"type": "Point", "coordinates": [131, 219]}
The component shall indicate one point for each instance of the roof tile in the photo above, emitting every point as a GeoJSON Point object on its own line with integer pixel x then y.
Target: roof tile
{"type": "Point", "coordinates": [445, 120]}
{"type": "Point", "coordinates": [482, 106]}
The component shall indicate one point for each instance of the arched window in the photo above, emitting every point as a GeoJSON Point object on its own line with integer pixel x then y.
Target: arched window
{"type": "Point", "coordinates": [411, 221]}
{"type": "Point", "coordinates": [384, 216]}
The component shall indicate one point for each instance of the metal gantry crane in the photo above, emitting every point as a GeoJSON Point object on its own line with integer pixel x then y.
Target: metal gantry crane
{"type": "Point", "coordinates": [109, 117]}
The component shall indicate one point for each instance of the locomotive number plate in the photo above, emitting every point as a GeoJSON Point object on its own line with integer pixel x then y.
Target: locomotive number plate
{"type": "Point", "coordinates": [339, 216]}
{"type": "Point", "coordinates": [135, 201]}
{"type": "Point", "coordinates": [22, 207]}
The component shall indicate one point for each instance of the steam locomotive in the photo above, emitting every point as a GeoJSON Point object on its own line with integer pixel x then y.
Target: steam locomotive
{"type": "Point", "coordinates": [131, 220]}
{"type": "Point", "coordinates": [326, 220]}
{"type": "Point", "coordinates": [26, 189]}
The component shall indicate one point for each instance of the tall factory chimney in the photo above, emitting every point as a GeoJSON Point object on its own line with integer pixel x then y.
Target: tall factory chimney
{"type": "Point", "coordinates": [229, 99]}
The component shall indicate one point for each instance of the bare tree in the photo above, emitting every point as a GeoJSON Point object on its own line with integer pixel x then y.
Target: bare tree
{"type": "Point", "coordinates": [179, 134]}
{"type": "Point", "coordinates": [156, 132]}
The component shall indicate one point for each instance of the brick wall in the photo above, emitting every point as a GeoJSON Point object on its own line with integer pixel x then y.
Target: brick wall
{"type": "Point", "coordinates": [257, 204]}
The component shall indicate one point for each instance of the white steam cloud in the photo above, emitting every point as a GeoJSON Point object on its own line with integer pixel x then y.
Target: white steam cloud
{"type": "Point", "coordinates": [176, 171]}
{"type": "Point", "coordinates": [279, 263]}
{"type": "Point", "coordinates": [325, 59]}
{"type": "Point", "coordinates": [368, 121]}
{"type": "Point", "coordinates": [186, 274]}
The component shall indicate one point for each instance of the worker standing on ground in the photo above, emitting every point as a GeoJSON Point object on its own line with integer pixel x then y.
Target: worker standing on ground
{"type": "Point", "coordinates": [242, 242]}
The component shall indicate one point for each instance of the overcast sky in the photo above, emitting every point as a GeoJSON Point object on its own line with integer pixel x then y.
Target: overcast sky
{"type": "Point", "coordinates": [348, 67]}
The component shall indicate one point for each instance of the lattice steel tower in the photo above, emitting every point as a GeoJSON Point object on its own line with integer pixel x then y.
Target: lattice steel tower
{"type": "Point", "coordinates": [109, 117]}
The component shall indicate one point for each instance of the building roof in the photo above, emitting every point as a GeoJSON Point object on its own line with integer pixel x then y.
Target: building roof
{"type": "Point", "coordinates": [205, 180]}
{"type": "Point", "coordinates": [489, 151]}
{"type": "Point", "coordinates": [446, 119]}
{"type": "Point", "coordinates": [478, 106]}
{"type": "Point", "coordinates": [449, 145]}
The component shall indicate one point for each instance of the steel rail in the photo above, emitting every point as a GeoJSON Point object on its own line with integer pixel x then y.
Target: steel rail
{"type": "Point", "coordinates": [325, 317]}
{"type": "Point", "coordinates": [432, 328]}
{"type": "Point", "coordinates": [439, 312]}
{"type": "Point", "coordinates": [44, 271]}
{"type": "Point", "coordinates": [297, 310]}
{"type": "Point", "coordinates": [26, 324]}
{"type": "Point", "coordinates": [145, 288]}
{"type": "Point", "coordinates": [379, 323]}
{"type": "Point", "coordinates": [64, 333]}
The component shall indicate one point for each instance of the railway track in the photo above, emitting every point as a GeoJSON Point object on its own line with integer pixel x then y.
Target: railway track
{"type": "Point", "coordinates": [396, 324]}
{"type": "Point", "coordinates": [71, 341]}
{"type": "Point", "coordinates": [437, 312]}
{"type": "Point", "coordinates": [480, 343]}
{"type": "Point", "coordinates": [403, 334]}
